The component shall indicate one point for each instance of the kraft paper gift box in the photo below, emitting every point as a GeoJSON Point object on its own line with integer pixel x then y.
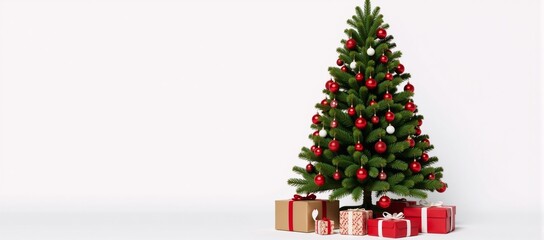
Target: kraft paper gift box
{"type": "Point", "coordinates": [433, 217]}
{"type": "Point", "coordinates": [392, 227]}
{"type": "Point", "coordinates": [354, 221]}
{"type": "Point", "coordinates": [296, 215]}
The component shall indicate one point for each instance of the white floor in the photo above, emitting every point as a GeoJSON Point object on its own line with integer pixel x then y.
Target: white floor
{"type": "Point", "coordinates": [219, 225]}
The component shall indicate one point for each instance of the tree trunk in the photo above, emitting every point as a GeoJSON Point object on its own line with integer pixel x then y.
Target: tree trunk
{"type": "Point", "coordinates": [367, 202]}
{"type": "Point", "coordinates": [367, 199]}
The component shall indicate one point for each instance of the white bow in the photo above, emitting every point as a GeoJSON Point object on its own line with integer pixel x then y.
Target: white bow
{"type": "Point", "coordinates": [394, 216]}
{"type": "Point", "coordinates": [424, 203]}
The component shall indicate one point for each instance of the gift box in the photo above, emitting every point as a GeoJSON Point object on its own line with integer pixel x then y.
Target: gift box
{"type": "Point", "coordinates": [398, 205]}
{"type": "Point", "coordinates": [354, 221]}
{"type": "Point", "coordinates": [324, 226]}
{"type": "Point", "coordinates": [392, 226]}
{"type": "Point", "coordinates": [433, 217]}
{"type": "Point", "coordinates": [296, 214]}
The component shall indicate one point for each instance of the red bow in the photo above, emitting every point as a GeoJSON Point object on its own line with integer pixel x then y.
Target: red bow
{"type": "Point", "coordinates": [310, 196]}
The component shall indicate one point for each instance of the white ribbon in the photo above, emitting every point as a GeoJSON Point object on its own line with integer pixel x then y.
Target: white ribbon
{"type": "Point", "coordinates": [394, 216]}
{"type": "Point", "coordinates": [424, 217]}
{"type": "Point", "coordinates": [350, 222]}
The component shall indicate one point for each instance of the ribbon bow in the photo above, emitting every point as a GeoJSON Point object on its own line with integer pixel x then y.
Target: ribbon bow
{"type": "Point", "coordinates": [310, 196]}
{"type": "Point", "coordinates": [394, 216]}
{"type": "Point", "coordinates": [424, 203]}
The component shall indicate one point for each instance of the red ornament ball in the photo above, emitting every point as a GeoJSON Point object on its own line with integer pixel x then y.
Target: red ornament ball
{"type": "Point", "coordinates": [372, 102]}
{"type": "Point", "coordinates": [371, 83]}
{"type": "Point", "coordinates": [419, 122]}
{"type": "Point", "coordinates": [383, 59]}
{"type": "Point", "coordinates": [312, 148]}
{"type": "Point", "coordinates": [334, 87]}
{"type": "Point", "coordinates": [380, 146]}
{"type": "Point", "coordinates": [418, 131]}
{"type": "Point", "coordinates": [382, 176]}
{"type": "Point", "coordinates": [334, 103]}
{"type": "Point", "coordinates": [409, 87]}
{"type": "Point", "coordinates": [361, 174]}
{"type": "Point", "coordinates": [384, 202]}
{"type": "Point", "coordinates": [389, 116]}
{"type": "Point", "coordinates": [388, 96]}
{"type": "Point", "coordinates": [334, 123]}
{"type": "Point", "coordinates": [359, 147]}
{"type": "Point", "coordinates": [415, 166]}
{"type": "Point", "coordinates": [316, 119]}
{"type": "Point", "coordinates": [399, 69]}
{"type": "Point", "coordinates": [328, 84]}
{"type": "Point", "coordinates": [443, 188]}
{"type": "Point", "coordinates": [360, 123]}
{"type": "Point", "coordinates": [351, 44]}
{"type": "Point", "coordinates": [389, 76]}
{"type": "Point", "coordinates": [334, 145]}
{"type": "Point", "coordinates": [375, 119]}
{"type": "Point", "coordinates": [318, 152]}
{"type": "Point", "coordinates": [337, 175]}
{"type": "Point", "coordinates": [431, 176]}
{"type": "Point", "coordinates": [411, 141]}
{"type": "Point", "coordinates": [325, 102]}
{"type": "Point", "coordinates": [351, 111]}
{"type": "Point", "coordinates": [425, 157]}
{"type": "Point", "coordinates": [410, 106]}
{"type": "Point", "coordinates": [344, 69]}
{"type": "Point", "coordinates": [319, 180]}
{"type": "Point", "coordinates": [310, 168]}
{"type": "Point", "coordinates": [316, 133]}
{"type": "Point", "coordinates": [426, 141]}
{"type": "Point", "coordinates": [359, 77]}
{"type": "Point", "coordinates": [339, 62]}
{"type": "Point", "coordinates": [381, 33]}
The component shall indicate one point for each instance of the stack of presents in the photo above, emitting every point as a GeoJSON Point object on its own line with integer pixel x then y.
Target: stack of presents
{"type": "Point", "coordinates": [401, 219]}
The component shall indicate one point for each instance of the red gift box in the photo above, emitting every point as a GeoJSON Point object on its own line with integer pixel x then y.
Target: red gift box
{"type": "Point", "coordinates": [392, 228]}
{"type": "Point", "coordinates": [398, 205]}
{"type": "Point", "coordinates": [433, 218]}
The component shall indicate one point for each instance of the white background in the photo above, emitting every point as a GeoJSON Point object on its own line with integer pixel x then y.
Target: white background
{"type": "Point", "coordinates": [157, 119]}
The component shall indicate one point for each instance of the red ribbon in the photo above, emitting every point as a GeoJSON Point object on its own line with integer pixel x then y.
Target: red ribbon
{"type": "Point", "coordinates": [328, 224]}
{"type": "Point", "coordinates": [297, 197]}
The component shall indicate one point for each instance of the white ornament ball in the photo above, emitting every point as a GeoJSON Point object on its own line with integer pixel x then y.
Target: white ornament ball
{"type": "Point", "coordinates": [353, 65]}
{"type": "Point", "coordinates": [370, 51]}
{"type": "Point", "coordinates": [322, 133]}
{"type": "Point", "coordinates": [390, 129]}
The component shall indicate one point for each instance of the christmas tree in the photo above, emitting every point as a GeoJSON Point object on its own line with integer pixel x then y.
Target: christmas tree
{"type": "Point", "coordinates": [367, 130]}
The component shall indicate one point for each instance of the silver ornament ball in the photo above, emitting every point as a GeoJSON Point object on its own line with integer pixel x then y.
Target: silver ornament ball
{"type": "Point", "coordinates": [370, 51]}
{"type": "Point", "coordinates": [353, 65]}
{"type": "Point", "coordinates": [322, 133]}
{"type": "Point", "coordinates": [390, 129]}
